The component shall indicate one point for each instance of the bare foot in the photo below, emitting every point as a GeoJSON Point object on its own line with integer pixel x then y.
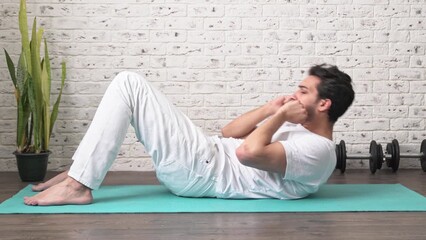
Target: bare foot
{"type": "Point", "coordinates": [55, 180]}
{"type": "Point", "coordinates": [66, 192]}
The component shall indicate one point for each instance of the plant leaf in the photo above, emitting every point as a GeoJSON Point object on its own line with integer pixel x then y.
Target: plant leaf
{"type": "Point", "coordinates": [46, 89]}
{"type": "Point", "coordinates": [35, 113]}
{"type": "Point", "coordinates": [23, 27]}
{"type": "Point", "coordinates": [35, 88]}
{"type": "Point", "coordinates": [47, 60]}
{"type": "Point", "coordinates": [45, 107]}
{"type": "Point", "coordinates": [11, 67]}
{"type": "Point", "coordinates": [21, 73]}
{"type": "Point", "coordinates": [58, 99]}
{"type": "Point", "coordinates": [24, 112]}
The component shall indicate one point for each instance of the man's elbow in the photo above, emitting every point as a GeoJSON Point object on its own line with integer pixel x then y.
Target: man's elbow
{"type": "Point", "coordinates": [225, 133]}
{"type": "Point", "coordinates": [247, 155]}
{"type": "Point", "coordinates": [270, 158]}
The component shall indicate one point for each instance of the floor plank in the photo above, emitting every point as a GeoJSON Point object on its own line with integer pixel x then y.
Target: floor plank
{"type": "Point", "coordinates": [362, 225]}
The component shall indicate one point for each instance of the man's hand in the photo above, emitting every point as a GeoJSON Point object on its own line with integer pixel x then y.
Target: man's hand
{"type": "Point", "coordinates": [293, 111]}
{"type": "Point", "coordinates": [275, 104]}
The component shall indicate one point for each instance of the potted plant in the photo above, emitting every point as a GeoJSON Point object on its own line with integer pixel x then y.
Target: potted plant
{"type": "Point", "coordinates": [35, 118]}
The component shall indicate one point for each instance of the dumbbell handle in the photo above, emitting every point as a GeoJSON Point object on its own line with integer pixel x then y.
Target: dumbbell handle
{"type": "Point", "coordinates": [386, 155]}
{"type": "Point", "coordinates": [357, 156]}
{"type": "Point", "coordinates": [406, 155]}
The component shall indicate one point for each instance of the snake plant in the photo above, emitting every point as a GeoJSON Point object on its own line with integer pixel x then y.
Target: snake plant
{"type": "Point", "coordinates": [32, 81]}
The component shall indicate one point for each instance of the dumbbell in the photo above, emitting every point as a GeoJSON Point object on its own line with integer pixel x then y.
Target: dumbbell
{"type": "Point", "coordinates": [393, 155]}
{"type": "Point", "coordinates": [375, 156]}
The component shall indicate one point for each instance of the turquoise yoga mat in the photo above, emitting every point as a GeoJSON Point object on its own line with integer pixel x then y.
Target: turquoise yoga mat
{"type": "Point", "coordinates": [157, 199]}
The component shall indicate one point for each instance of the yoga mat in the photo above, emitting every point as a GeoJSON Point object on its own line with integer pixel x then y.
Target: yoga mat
{"type": "Point", "coordinates": [157, 199]}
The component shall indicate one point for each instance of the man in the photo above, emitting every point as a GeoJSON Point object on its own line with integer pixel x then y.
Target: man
{"type": "Point", "coordinates": [283, 149]}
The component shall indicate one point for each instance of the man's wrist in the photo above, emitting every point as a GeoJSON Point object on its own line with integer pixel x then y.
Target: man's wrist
{"type": "Point", "coordinates": [267, 110]}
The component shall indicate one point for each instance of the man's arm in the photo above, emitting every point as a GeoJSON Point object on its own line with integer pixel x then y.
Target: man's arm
{"type": "Point", "coordinates": [246, 123]}
{"type": "Point", "coordinates": [258, 151]}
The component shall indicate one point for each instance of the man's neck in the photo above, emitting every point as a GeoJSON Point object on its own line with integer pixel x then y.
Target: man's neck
{"type": "Point", "coordinates": [322, 128]}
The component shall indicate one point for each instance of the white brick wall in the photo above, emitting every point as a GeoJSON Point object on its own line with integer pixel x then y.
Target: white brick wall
{"type": "Point", "coordinates": [216, 59]}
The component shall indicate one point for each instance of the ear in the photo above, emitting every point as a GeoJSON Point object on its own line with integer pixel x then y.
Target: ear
{"type": "Point", "coordinates": [324, 105]}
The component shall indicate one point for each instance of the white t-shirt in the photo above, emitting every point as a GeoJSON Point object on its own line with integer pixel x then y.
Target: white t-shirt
{"type": "Point", "coordinates": [311, 160]}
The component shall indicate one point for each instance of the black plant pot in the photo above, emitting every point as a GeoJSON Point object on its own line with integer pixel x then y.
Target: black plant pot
{"type": "Point", "coordinates": [32, 167]}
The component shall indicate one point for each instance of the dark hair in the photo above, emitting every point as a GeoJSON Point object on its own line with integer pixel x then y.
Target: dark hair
{"type": "Point", "coordinates": [336, 86]}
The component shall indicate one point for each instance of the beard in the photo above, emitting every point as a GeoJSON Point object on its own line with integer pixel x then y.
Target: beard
{"type": "Point", "coordinates": [311, 113]}
{"type": "Point", "coordinates": [311, 110]}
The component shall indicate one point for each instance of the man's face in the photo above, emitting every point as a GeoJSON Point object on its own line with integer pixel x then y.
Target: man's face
{"type": "Point", "coordinates": [307, 94]}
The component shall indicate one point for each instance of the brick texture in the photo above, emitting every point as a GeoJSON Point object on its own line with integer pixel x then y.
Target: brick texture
{"type": "Point", "coordinates": [216, 59]}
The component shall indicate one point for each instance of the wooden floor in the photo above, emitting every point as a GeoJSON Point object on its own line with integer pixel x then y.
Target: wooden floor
{"type": "Point", "coordinates": [300, 226]}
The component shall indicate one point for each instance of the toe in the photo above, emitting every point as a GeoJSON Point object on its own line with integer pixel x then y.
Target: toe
{"type": "Point", "coordinates": [29, 201]}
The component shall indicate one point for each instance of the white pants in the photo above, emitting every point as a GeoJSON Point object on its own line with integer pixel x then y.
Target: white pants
{"type": "Point", "coordinates": [183, 155]}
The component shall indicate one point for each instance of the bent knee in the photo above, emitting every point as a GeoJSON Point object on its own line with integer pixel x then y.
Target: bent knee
{"type": "Point", "coordinates": [128, 76]}
{"type": "Point", "coordinates": [129, 79]}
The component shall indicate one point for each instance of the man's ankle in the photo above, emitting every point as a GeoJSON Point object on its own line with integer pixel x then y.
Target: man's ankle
{"type": "Point", "coordinates": [75, 184]}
